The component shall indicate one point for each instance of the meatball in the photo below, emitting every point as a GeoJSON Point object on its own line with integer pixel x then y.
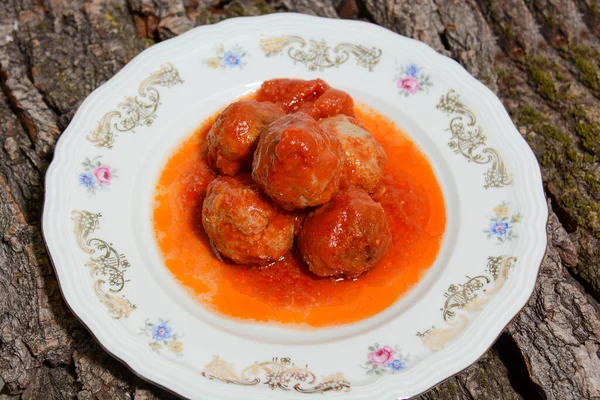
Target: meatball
{"type": "Point", "coordinates": [233, 137]}
{"type": "Point", "coordinates": [242, 223]}
{"type": "Point", "coordinates": [346, 236]}
{"type": "Point", "coordinates": [291, 94]}
{"type": "Point", "coordinates": [330, 103]}
{"type": "Point", "coordinates": [364, 162]}
{"type": "Point", "coordinates": [297, 163]}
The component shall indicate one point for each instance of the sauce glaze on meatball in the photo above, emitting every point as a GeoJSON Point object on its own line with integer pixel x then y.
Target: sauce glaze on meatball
{"type": "Point", "coordinates": [291, 94]}
{"type": "Point", "coordinates": [297, 163]}
{"type": "Point", "coordinates": [332, 102]}
{"type": "Point", "coordinates": [233, 137]}
{"type": "Point", "coordinates": [346, 236]}
{"type": "Point", "coordinates": [315, 97]}
{"type": "Point", "coordinates": [364, 163]}
{"type": "Point", "coordinates": [243, 224]}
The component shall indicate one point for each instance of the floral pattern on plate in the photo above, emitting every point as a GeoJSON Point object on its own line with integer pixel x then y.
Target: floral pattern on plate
{"type": "Point", "coordinates": [163, 337]}
{"type": "Point", "coordinates": [96, 175]}
{"type": "Point", "coordinates": [501, 225]}
{"type": "Point", "coordinates": [384, 360]}
{"type": "Point", "coordinates": [410, 79]}
{"type": "Point", "coordinates": [227, 57]}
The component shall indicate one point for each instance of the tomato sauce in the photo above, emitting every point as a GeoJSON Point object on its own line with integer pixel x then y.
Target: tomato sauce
{"type": "Point", "coordinates": [286, 292]}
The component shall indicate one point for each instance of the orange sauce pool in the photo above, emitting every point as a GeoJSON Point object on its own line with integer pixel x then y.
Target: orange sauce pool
{"type": "Point", "coordinates": [286, 292]}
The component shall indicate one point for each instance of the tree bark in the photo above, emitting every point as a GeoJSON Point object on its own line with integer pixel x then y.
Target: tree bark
{"type": "Point", "coordinates": [541, 58]}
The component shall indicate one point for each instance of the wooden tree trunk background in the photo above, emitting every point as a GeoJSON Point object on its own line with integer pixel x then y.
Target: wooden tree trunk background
{"type": "Point", "coordinates": [540, 56]}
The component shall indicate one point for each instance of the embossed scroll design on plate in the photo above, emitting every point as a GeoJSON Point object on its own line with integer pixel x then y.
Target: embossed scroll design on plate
{"type": "Point", "coordinates": [462, 299]}
{"type": "Point", "coordinates": [135, 111]}
{"type": "Point", "coordinates": [280, 373]}
{"type": "Point", "coordinates": [468, 138]}
{"type": "Point", "coordinates": [318, 55]}
{"type": "Point", "coordinates": [106, 264]}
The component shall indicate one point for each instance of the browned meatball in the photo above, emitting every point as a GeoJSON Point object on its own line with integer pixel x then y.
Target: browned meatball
{"type": "Point", "coordinates": [332, 102]}
{"type": "Point", "coordinates": [313, 97]}
{"type": "Point", "coordinates": [291, 94]}
{"type": "Point", "coordinates": [364, 163]}
{"type": "Point", "coordinates": [346, 236]}
{"type": "Point", "coordinates": [232, 138]}
{"type": "Point", "coordinates": [297, 163]}
{"type": "Point", "coordinates": [242, 223]}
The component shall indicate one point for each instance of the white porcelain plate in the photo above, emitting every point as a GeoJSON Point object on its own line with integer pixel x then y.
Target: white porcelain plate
{"type": "Point", "coordinates": [99, 198]}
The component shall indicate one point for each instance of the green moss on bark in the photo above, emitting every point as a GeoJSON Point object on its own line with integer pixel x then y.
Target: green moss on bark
{"type": "Point", "coordinates": [572, 172]}
{"type": "Point", "coordinates": [583, 57]}
{"type": "Point", "coordinates": [544, 84]}
{"type": "Point", "coordinates": [585, 129]}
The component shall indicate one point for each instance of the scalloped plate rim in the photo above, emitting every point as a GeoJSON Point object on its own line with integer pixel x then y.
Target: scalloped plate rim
{"type": "Point", "coordinates": [130, 68]}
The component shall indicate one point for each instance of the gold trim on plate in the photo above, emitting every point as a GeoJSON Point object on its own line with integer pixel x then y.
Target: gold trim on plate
{"type": "Point", "coordinates": [105, 263]}
{"type": "Point", "coordinates": [135, 111]}
{"type": "Point", "coordinates": [468, 137]}
{"type": "Point", "coordinates": [462, 299]}
{"type": "Point", "coordinates": [319, 55]}
{"type": "Point", "coordinates": [280, 373]}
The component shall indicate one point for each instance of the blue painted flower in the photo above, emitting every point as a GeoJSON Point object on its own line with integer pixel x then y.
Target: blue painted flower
{"type": "Point", "coordinates": [397, 365]}
{"type": "Point", "coordinates": [232, 59]}
{"type": "Point", "coordinates": [162, 332]}
{"type": "Point", "coordinates": [498, 228]}
{"type": "Point", "coordinates": [86, 180]}
{"type": "Point", "coordinates": [412, 70]}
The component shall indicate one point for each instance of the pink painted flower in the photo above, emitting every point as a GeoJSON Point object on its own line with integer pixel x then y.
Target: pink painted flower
{"type": "Point", "coordinates": [382, 356]}
{"type": "Point", "coordinates": [103, 174]}
{"type": "Point", "coordinates": [409, 84]}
